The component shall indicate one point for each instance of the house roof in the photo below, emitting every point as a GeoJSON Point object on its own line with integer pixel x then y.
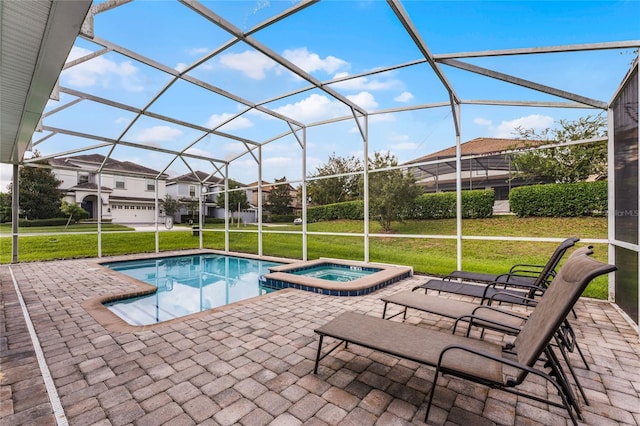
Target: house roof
{"type": "Point", "coordinates": [268, 186]}
{"type": "Point", "coordinates": [477, 154]}
{"type": "Point", "coordinates": [480, 146]}
{"type": "Point", "coordinates": [91, 161]}
{"type": "Point", "coordinates": [89, 186]}
{"type": "Point", "coordinates": [197, 177]}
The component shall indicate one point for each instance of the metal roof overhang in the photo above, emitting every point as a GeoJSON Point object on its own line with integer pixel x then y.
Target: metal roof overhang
{"type": "Point", "coordinates": [35, 40]}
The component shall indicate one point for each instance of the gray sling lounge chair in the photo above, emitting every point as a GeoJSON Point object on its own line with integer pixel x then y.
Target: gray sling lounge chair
{"type": "Point", "coordinates": [501, 288]}
{"type": "Point", "coordinates": [477, 360]}
{"type": "Point", "coordinates": [523, 273]}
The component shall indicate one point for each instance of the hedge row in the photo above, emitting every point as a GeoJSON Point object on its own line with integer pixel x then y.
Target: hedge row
{"type": "Point", "coordinates": [55, 221]}
{"type": "Point", "coordinates": [441, 205]}
{"type": "Point", "coordinates": [560, 200]}
{"type": "Point", "coordinates": [282, 218]}
{"type": "Point", "coordinates": [353, 210]}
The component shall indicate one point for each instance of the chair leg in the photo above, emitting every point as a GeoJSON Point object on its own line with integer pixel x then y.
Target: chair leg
{"type": "Point", "coordinates": [315, 369]}
{"type": "Point", "coordinates": [433, 391]}
{"type": "Point", "coordinates": [584, 360]}
{"type": "Point", "coordinates": [563, 386]}
{"type": "Point", "coordinates": [572, 371]}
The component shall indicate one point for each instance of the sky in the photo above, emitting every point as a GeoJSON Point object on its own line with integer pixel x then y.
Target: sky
{"type": "Point", "coordinates": [329, 40]}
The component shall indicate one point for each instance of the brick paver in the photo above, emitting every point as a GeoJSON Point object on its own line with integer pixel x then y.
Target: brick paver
{"type": "Point", "coordinates": [252, 363]}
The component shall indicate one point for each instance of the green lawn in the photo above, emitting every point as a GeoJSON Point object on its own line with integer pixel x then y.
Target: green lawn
{"type": "Point", "coordinates": [434, 256]}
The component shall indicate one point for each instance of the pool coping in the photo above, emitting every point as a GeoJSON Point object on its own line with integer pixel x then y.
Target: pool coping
{"type": "Point", "coordinates": [279, 277]}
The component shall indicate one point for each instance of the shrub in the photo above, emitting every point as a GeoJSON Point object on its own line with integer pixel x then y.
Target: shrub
{"type": "Point", "coordinates": [348, 210]}
{"type": "Point", "coordinates": [560, 199]}
{"type": "Point", "coordinates": [442, 205]}
{"type": "Point", "coordinates": [282, 218]}
{"type": "Point", "coordinates": [54, 221]}
{"type": "Point", "coordinates": [216, 220]}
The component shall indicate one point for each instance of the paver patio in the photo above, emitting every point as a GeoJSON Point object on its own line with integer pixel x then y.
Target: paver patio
{"type": "Point", "coordinates": [252, 363]}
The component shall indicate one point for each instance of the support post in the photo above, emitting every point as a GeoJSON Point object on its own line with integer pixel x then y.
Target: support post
{"type": "Point", "coordinates": [99, 201]}
{"type": "Point", "coordinates": [15, 213]}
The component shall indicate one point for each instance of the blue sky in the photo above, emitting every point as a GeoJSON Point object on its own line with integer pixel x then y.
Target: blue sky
{"type": "Point", "coordinates": [333, 39]}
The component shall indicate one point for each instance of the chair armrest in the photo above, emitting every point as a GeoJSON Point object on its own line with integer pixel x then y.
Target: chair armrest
{"type": "Point", "coordinates": [494, 285]}
{"type": "Point", "coordinates": [500, 311]}
{"type": "Point", "coordinates": [525, 265]}
{"type": "Point", "coordinates": [519, 300]}
{"type": "Point", "coordinates": [470, 318]}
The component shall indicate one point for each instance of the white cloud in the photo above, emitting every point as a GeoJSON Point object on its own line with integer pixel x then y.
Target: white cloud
{"type": "Point", "coordinates": [281, 162]}
{"type": "Point", "coordinates": [311, 62]}
{"type": "Point", "coordinates": [482, 121]}
{"type": "Point", "coordinates": [180, 66]}
{"type": "Point", "coordinates": [313, 108]}
{"type": "Point", "coordinates": [403, 97]}
{"type": "Point", "coordinates": [404, 146]}
{"type": "Point", "coordinates": [238, 123]}
{"type": "Point", "coordinates": [101, 71]}
{"type": "Point", "coordinates": [364, 83]}
{"type": "Point", "coordinates": [379, 118]}
{"type": "Point", "coordinates": [121, 120]}
{"type": "Point", "coordinates": [197, 51]}
{"type": "Point", "coordinates": [252, 64]}
{"type": "Point", "coordinates": [200, 152]}
{"type": "Point", "coordinates": [363, 99]}
{"type": "Point", "coordinates": [6, 174]}
{"type": "Point", "coordinates": [157, 134]}
{"type": "Point", "coordinates": [506, 129]}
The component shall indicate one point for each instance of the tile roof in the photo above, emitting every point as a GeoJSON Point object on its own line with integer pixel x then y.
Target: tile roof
{"type": "Point", "coordinates": [201, 177]}
{"type": "Point", "coordinates": [480, 146]}
{"type": "Point", "coordinates": [90, 186]}
{"type": "Point", "coordinates": [113, 165]}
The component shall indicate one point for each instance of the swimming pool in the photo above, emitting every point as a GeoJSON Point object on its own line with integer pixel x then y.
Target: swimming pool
{"type": "Point", "coordinates": [188, 284]}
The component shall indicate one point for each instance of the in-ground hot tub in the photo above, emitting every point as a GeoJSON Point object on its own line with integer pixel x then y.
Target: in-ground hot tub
{"type": "Point", "coordinates": [335, 277]}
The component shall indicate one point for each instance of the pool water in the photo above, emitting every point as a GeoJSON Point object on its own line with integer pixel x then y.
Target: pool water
{"type": "Point", "coordinates": [188, 284]}
{"type": "Point", "coordinates": [332, 272]}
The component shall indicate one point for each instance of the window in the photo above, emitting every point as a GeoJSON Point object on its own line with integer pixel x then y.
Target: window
{"type": "Point", "coordinates": [192, 190]}
{"type": "Point", "coordinates": [83, 178]}
{"type": "Point", "coordinates": [151, 185]}
{"type": "Point", "coordinates": [119, 181]}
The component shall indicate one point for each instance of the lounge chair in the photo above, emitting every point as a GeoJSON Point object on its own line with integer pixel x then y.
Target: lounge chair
{"type": "Point", "coordinates": [521, 272]}
{"type": "Point", "coordinates": [504, 288]}
{"type": "Point", "coordinates": [484, 317]}
{"type": "Point", "coordinates": [477, 360]}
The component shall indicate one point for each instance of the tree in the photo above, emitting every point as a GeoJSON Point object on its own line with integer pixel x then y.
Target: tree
{"type": "Point", "coordinates": [38, 192]}
{"type": "Point", "coordinates": [338, 189]}
{"type": "Point", "coordinates": [170, 205]}
{"type": "Point", "coordinates": [237, 199]}
{"type": "Point", "coordinates": [280, 197]}
{"type": "Point", "coordinates": [390, 191]}
{"type": "Point", "coordinates": [5, 207]}
{"type": "Point", "coordinates": [73, 210]}
{"type": "Point", "coordinates": [563, 164]}
{"type": "Point", "coordinates": [192, 205]}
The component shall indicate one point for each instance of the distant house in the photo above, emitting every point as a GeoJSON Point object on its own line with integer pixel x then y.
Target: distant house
{"type": "Point", "coordinates": [187, 188]}
{"type": "Point", "coordinates": [486, 164]}
{"type": "Point", "coordinates": [267, 187]}
{"type": "Point", "coordinates": [128, 190]}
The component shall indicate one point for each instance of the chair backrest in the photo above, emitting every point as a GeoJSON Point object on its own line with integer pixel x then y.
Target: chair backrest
{"type": "Point", "coordinates": [554, 260]}
{"type": "Point", "coordinates": [558, 300]}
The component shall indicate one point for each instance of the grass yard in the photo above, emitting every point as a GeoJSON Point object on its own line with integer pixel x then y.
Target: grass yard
{"type": "Point", "coordinates": [433, 256]}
